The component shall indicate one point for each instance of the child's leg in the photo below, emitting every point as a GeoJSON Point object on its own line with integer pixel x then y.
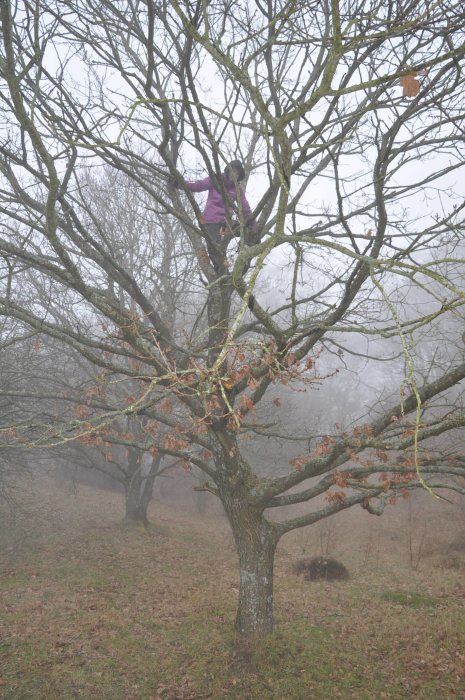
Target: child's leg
{"type": "Point", "coordinates": [252, 236]}
{"type": "Point", "coordinates": [214, 246]}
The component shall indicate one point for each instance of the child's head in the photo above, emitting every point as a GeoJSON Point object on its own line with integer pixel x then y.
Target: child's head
{"type": "Point", "coordinates": [235, 171]}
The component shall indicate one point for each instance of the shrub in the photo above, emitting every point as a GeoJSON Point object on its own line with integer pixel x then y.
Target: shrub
{"type": "Point", "coordinates": [321, 568]}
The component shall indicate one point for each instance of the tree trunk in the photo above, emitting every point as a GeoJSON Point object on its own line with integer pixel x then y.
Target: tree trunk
{"type": "Point", "coordinates": [256, 539]}
{"type": "Point", "coordinates": [139, 487]}
{"type": "Point", "coordinates": [218, 311]}
{"type": "Point", "coordinates": [201, 502]}
{"type": "Point", "coordinates": [136, 509]}
{"type": "Point", "coordinates": [147, 486]}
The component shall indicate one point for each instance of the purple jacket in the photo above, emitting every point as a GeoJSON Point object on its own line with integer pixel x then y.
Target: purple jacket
{"type": "Point", "coordinates": [214, 212]}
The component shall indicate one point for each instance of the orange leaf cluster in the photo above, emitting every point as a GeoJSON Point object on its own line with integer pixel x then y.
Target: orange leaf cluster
{"type": "Point", "coordinates": [95, 390]}
{"type": "Point", "coordinates": [340, 479]}
{"type": "Point", "coordinates": [382, 456]}
{"type": "Point", "coordinates": [129, 436]}
{"type": "Point", "coordinates": [173, 443]}
{"type": "Point", "coordinates": [403, 478]}
{"type": "Point", "coordinates": [324, 447]}
{"type": "Point", "coordinates": [166, 405]}
{"type": "Point", "coordinates": [298, 462]}
{"type": "Point", "coordinates": [92, 439]}
{"type": "Point", "coordinates": [152, 427]}
{"type": "Point", "coordinates": [235, 421]}
{"type": "Point", "coordinates": [81, 411]}
{"type": "Point", "coordinates": [365, 430]}
{"type": "Point", "coordinates": [335, 497]}
{"type": "Point", "coordinates": [199, 427]}
{"type": "Point", "coordinates": [409, 83]}
{"type": "Point", "coordinates": [248, 404]}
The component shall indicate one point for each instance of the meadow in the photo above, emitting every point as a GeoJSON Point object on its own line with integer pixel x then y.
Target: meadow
{"type": "Point", "coordinates": [93, 608]}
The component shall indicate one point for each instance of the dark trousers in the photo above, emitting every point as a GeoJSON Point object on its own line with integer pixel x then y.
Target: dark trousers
{"type": "Point", "coordinates": [216, 245]}
{"type": "Point", "coordinates": [217, 241]}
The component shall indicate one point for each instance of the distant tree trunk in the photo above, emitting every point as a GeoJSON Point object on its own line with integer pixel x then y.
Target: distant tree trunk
{"type": "Point", "coordinates": [149, 481]}
{"type": "Point", "coordinates": [201, 502]}
{"type": "Point", "coordinates": [135, 510]}
{"type": "Point", "coordinates": [139, 487]}
{"type": "Point", "coordinates": [256, 539]}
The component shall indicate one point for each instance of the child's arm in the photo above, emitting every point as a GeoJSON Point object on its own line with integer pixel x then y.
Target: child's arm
{"type": "Point", "coordinates": [199, 185]}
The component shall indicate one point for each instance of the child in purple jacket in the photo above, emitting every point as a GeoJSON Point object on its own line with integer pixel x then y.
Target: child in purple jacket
{"type": "Point", "coordinates": [218, 212]}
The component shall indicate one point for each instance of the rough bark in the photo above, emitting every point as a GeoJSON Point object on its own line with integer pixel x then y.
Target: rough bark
{"type": "Point", "coordinates": [256, 539]}
{"type": "Point", "coordinates": [218, 311]}
{"type": "Point", "coordinates": [136, 510]}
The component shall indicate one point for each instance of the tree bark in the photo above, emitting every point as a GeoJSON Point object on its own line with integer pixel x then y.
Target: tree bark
{"type": "Point", "coordinates": [147, 486]}
{"type": "Point", "coordinates": [136, 509]}
{"type": "Point", "coordinates": [139, 487]}
{"type": "Point", "coordinates": [256, 539]}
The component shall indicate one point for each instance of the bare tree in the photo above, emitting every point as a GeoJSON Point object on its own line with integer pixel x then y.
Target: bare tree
{"type": "Point", "coordinates": [134, 470]}
{"type": "Point", "coordinates": [52, 380]}
{"type": "Point", "coordinates": [349, 117]}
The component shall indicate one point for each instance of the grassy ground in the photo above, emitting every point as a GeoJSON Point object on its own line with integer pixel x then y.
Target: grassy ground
{"type": "Point", "coordinates": [93, 609]}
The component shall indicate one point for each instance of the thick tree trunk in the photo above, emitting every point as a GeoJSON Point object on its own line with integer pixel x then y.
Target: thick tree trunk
{"type": "Point", "coordinates": [256, 541]}
{"type": "Point", "coordinates": [136, 509]}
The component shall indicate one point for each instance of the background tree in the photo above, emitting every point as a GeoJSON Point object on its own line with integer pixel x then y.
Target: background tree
{"type": "Point", "coordinates": [350, 118]}
{"type": "Point", "coordinates": [134, 470]}
{"type": "Point", "coordinates": [48, 379]}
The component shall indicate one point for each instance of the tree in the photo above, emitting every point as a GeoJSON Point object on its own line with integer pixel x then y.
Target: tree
{"type": "Point", "coordinates": [53, 380]}
{"type": "Point", "coordinates": [350, 119]}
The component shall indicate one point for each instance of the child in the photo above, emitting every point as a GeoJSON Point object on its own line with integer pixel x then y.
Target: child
{"type": "Point", "coordinates": [220, 210]}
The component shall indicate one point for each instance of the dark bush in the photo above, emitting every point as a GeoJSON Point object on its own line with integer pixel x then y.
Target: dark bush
{"type": "Point", "coordinates": [321, 568]}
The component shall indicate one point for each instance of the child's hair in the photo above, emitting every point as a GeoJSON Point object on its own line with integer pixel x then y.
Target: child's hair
{"type": "Point", "coordinates": [237, 165]}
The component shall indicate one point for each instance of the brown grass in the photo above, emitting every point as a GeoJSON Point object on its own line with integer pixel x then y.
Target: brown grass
{"type": "Point", "coordinates": [93, 609]}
